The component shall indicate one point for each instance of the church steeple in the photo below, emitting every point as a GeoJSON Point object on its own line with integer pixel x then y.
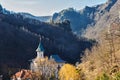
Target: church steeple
{"type": "Point", "coordinates": [40, 50]}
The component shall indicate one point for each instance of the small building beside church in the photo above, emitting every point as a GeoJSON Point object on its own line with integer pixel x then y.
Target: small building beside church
{"type": "Point", "coordinates": [58, 60]}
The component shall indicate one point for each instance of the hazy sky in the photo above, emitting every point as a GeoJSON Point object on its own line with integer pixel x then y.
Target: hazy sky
{"type": "Point", "coordinates": [46, 7]}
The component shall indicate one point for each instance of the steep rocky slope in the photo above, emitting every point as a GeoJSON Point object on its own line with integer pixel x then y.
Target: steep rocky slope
{"type": "Point", "coordinates": [79, 20]}
{"type": "Point", "coordinates": [90, 21]}
{"type": "Point", "coordinates": [111, 13]}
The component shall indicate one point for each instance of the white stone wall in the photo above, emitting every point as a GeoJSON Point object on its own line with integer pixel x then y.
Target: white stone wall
{"type": "Point", "coordinates": [40, 54]}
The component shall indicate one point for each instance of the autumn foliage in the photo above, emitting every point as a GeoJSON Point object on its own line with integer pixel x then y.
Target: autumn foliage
{"type": "Point", "coordinates": [68, 72]}
{"type": "Point", "coordinates": [102, 62]}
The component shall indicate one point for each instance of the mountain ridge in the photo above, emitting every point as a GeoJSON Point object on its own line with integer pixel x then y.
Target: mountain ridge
{"type": "Point", "coordinates": [40, 18]}
{"type": "Point", "coordinates": [84, 21]}
{"type": "Point", "coordinates": [106, 19]}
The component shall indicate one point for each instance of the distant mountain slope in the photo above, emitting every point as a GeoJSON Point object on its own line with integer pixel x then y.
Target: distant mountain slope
{"type": "Point", "coordinates": [78, 19]}
{"type": "Point", "coordinates": [16, 45]}
{"type": "Point", "coordinates": [40, 18]}
{"type": "Point", "coordinates": [111, 13]}
{"type": "Point", "coordinates": [94, 19]}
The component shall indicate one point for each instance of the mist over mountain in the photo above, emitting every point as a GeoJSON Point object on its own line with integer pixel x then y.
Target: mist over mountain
{"type": "Point", "coordinates": [40, 18]}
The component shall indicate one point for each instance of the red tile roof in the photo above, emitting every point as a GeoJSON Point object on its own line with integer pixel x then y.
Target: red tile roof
{"type": "Point", "coordinates": [23, 74]}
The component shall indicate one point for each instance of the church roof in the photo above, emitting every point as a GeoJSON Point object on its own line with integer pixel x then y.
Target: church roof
{"type": "Point", "coordinates": [57, 59]}
{"type": "Point", "coordinates": [40, 47]}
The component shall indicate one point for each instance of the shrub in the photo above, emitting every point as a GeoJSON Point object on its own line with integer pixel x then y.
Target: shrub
{"type": "Point", "coordinates": [117, 76]}
{"type": "Point", "coordinates": [68, 72]}
{"type": "Point", "coordinates": [103, 77]}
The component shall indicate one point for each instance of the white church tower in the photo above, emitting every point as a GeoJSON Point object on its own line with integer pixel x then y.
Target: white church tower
{"type": "Point", "coordinates": [40, 51]}
{"type": "Point", "coordinates": [40, 57]}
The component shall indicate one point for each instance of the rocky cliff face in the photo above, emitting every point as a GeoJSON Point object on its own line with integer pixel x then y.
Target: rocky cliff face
{"type": "Point", "coordinates": [78, 19]}
{"type": "Point", "coordinates": [90, 21]}
{"type": "Point", "coordinates": [110, 14]}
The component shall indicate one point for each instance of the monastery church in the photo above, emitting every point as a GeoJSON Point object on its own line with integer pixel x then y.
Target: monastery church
{"type": "Point", "coordinates": [46, 66]}
{"type": "Point", "coordinates": [34, 66]}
